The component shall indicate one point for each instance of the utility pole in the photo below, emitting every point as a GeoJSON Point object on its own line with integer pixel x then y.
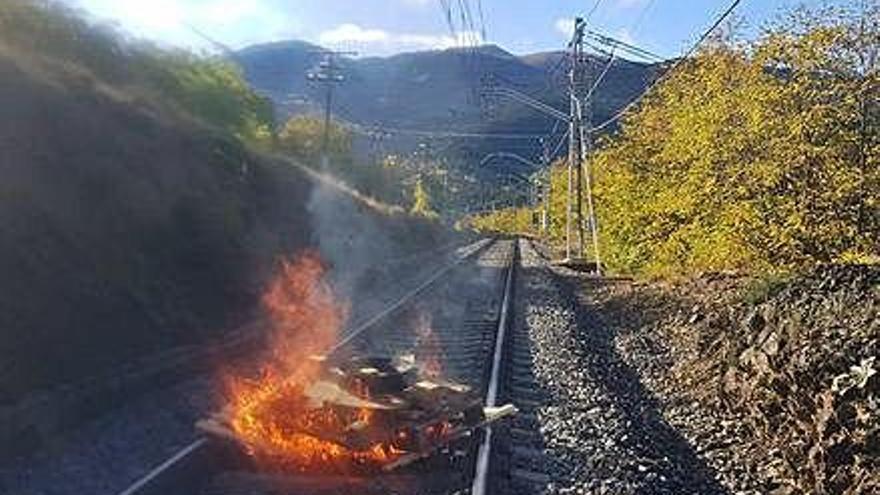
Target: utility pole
{"type": "Point", "coordinates": [580, 145]}
{"type": "Point", "coordinates": [330, 74]}
{"type": "Point", "coordinates": [586, 149]}
{"type": "Point", "coordinates": [576, 84]}
{"type": "Point", "coordinates": [547, 190]}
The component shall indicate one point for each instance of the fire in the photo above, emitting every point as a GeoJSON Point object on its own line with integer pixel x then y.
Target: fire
{"type": "Point", "coordinates": [305, 314]}
{"type": "Point", "coordinates": [272, 416]}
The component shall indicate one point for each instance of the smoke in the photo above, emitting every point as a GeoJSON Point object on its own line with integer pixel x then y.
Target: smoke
{"type": "Point", "coordinates": [347, 235]}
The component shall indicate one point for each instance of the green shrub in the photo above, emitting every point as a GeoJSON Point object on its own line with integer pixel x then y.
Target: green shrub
{"type": "Point", "coordinates": [764, 287]}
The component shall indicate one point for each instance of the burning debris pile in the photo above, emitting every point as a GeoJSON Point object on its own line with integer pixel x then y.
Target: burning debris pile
{"type": "Point", "coordinates": [360, 414]}
{"type": "Point", "coordinates": [366, 414]}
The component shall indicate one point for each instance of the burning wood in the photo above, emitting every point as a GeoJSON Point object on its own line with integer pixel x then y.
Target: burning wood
{"type": "Point", "coordinates": [366, 414]}
{"type": "Point", "coordinates": [363, 414]}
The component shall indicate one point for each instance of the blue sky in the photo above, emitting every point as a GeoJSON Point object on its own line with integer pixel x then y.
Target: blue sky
{"type": "Point", "coordinates": [381, 27]}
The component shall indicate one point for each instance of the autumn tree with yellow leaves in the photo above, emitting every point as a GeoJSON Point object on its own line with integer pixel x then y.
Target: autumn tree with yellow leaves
{"type": "Point", "coordinates": [758, 157]}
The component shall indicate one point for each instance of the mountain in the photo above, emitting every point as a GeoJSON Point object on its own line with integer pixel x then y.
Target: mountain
{"type": "Point", "coordinates": [434, 90]}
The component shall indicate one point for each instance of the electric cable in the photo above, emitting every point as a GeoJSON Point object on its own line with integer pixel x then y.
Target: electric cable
{"type": "Point", "coordinates": [671, 70]}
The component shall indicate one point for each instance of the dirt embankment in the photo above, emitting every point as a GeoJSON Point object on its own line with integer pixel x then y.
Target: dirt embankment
{"type": "Point", "coordinates": [774, 383]}
{"type": "Point", "coordinates": [125, 231]}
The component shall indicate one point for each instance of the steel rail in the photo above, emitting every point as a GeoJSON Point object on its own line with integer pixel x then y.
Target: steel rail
{"type": "Point", "coordinates": [141, 486]}
{"type": "Point", "coordinates": [481, 476]}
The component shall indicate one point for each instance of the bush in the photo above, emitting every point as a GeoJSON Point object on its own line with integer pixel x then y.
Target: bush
{"type": "Point", "coordinates": [763, 157]}
{"type": "Point", "coordinates": [508, 220]}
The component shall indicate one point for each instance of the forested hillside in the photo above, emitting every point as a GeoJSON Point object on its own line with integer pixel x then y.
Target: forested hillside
{"type": "Point", "coordinates": [436, 90]}
{"type": "Point", "coordinates": [758, 157]}
{"type": "Point", "coordinates": [433, 89]}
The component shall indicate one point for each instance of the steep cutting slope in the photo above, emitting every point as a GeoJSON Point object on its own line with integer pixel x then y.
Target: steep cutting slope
{"type": "Point", "coordinates": [125, 231]}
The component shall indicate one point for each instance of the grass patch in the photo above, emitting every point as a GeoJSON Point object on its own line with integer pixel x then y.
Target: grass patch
{"type": "Point", "coordinates": [765, 287]}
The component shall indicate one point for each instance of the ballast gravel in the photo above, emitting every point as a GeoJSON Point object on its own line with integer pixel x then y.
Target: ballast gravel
{"type": "Point", "coordinates": [602, 431]}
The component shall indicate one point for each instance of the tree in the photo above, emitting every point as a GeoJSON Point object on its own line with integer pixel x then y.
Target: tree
{"type": "Point", "coordinates": [422, 201]}
{"type": "Point", "coordinates": [758, 157]}
{"type": "Point", "coordinates": [304, 136]}
{"type": "Point", "coordinates": [508, 220]}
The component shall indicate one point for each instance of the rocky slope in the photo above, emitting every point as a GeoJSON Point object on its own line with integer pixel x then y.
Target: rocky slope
{"type": "Point", "coordinates": [774, 382]}
{"type": "Point", "coordinates": [717, 384]}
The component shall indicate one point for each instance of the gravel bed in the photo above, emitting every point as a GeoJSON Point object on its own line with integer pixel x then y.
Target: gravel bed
{"type": "Point", "coordinates": [603, 432]}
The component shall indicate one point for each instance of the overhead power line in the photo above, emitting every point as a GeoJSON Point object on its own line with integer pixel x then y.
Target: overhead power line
{"type": "Point", "coordinates": [593, 10]}
{"type": "Point", "coordinates": [225, 49]}
{"type": "Point", "coordinates": [562, 140]}
{"type": "Point", "coordinates": [605, 40]}
{"type": "Point", "coordinates": [466, 20]}
{"type": "Point", "coordinates": [455, 134]}
{"type": "Point", "coordinates": [447, 13]}
{"type": "Point", "coordinates": [613, 57]}
{"type": "Point", "coordinates": [671, 70]}
{"type": "Point", "coordinates": [616, 44]}
{"type": "Point", "coordinates": [527, 100]}
{"type": "Point", "coordinates": [483, 28]}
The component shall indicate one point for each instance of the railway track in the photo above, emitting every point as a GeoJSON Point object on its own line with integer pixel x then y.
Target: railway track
{"type": "Point", "coordinates": [519, 463]}
{"type": "Point", "coordinates": [470, 305]}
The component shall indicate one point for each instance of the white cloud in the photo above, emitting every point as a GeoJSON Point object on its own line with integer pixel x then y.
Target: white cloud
{"type": "Point", "coordinates": [565, 26]}
{"type": "Point", "coordinates": [234, 22]}
{"type": "Point", "coordinates": [426, 40]}
{"type": "Point", "coordinates": [237, 23]}
{"type": "Point", "coordinates": [227, 11]}
{"type": "Point", "coordinates": [154, 15]}
{"type": "Point", "coordinates": [352, 33]}
{"type": "Point", "coordinates": [462, 38]}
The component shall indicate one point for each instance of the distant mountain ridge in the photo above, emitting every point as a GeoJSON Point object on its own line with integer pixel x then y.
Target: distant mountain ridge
{"type": "Point", "coordinates": [433, 90]}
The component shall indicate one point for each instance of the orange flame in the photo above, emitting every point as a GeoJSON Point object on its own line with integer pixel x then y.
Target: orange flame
{"type": "Point", "coordinates": [272, 416]}
{"type": "Point", "coordinates": [305, 315]}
